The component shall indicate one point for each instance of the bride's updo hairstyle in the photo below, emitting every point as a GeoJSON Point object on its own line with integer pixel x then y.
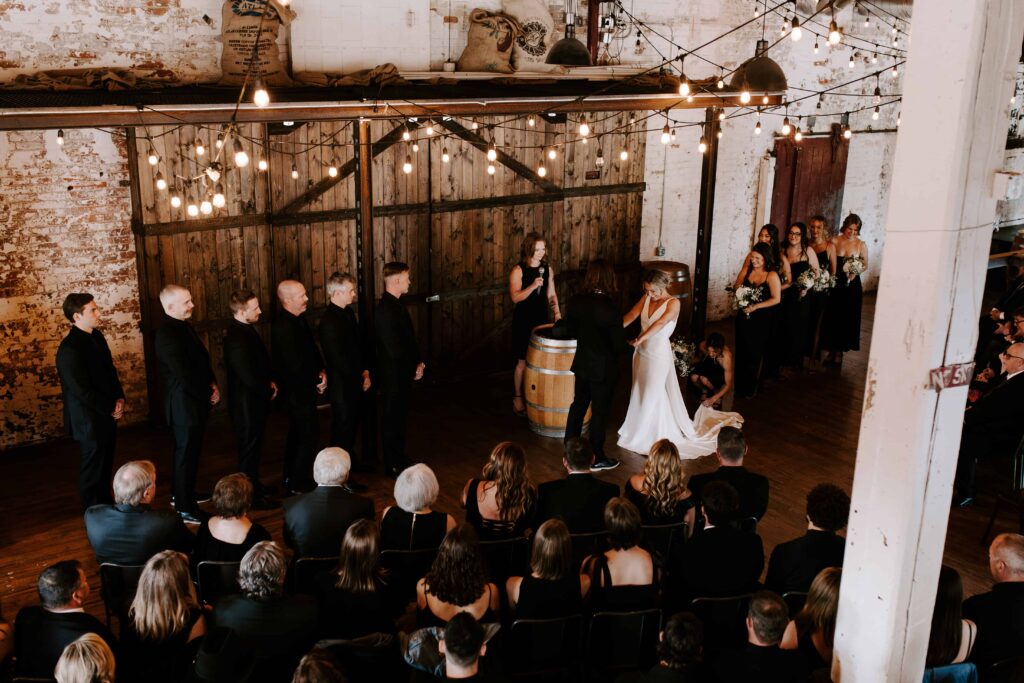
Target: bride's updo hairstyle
{"type": "Point", "coordinates": [663, 478]}
{"type": "Point", "coordinates": [657, 278]}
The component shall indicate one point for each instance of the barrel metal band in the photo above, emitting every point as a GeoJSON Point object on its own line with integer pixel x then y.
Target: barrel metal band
{"type": "Point", "coordinates": [553, 349]}
{"type": "Point", "coordinates": [546, 409]}
{"type": "Point", "coordinates": [546, 371]}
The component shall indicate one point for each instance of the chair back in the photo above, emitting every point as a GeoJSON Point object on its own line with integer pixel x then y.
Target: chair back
{"type": "Point", "coordinates": [544, 648]}
{"type": "Point", "coordinates": [118, 583]}
{"type": "Point", "coordinates": [305, 571]}
{"type": "Point", "coordinates": [747, 524]}
{"type": "Point", "coordinates": [794, 601]}
{"type": "Point", "coordinates": [587, 544]}
{"type": "Point", "coordinates": [954, 673]}
{"type": "Point", "coordinates": [216, 580]}
{"type": "Point", "coordinates": [505, 558]}
{"type": "Point", "coordinates": [373, 657]}
{"type": "Point", "coordinates": [664, 539]}
{"type": "Point", "coordinates": [623, 641]}
{"type": "Point", "coordinates": [405, 567]}
{"type": "Point", "coordinates": [724, 619]}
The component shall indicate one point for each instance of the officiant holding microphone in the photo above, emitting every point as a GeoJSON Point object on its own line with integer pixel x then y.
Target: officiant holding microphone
{"type": "Point", "coordinates": [531, 284]}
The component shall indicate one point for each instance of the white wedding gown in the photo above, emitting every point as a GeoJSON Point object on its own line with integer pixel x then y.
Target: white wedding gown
{"type": "Point", "coordinates": [656, 408]}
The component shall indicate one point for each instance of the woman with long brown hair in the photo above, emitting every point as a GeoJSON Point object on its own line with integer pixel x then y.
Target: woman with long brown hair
{"type": "Point", "coordinates": [531, 285]}
{"type": "Point", "coordinates": [500, 503]}
{"type": "Point", "coordinates": [813, 629]}
{"type": "Point", "coordinates": [624, 577]}
{"type": "Point", "coordinates": [554, 588]}
{"type": "Point", "coordinates": [457, 582]}
{"type": "Point", "coordinates": [952, 637]}
{"type": "Point", "coordinates": [659, 492]}
{"type": "Point", "coordinates": [754, 318]}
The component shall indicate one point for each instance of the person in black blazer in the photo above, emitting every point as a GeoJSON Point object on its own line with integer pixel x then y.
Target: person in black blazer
{"type": "Point", "coordinates": [761, 659]}
{"type": "Point", "coordinates": [300, 374]}
{"type": "Point", "coordinates": [190, 389]}
{"type": "Point", "coordinates": [794, 564]}
{"type": "Point", "coordinates": [93, 397]}
{"type": "Point", "coordinates": [578, 499]}
{"type": "Point", "coordinates": [251, 386]}
{"type": "Point", "coordinates": [397, 364]}
{"type": "Point", "coordinates": [316, 522]}
{"type": "Point", "coordinates": [751, 487]}
{"type": "Point", "coordinates": [999, 613]}
{"type": "Point", "coordinates": [1008, 302]}
{"type": "Point", "coordinates": [596, 324]}
{"type": "Point", "coordinates": [130, 531]}
{"type": "Point", "coordinates": [993, 425]}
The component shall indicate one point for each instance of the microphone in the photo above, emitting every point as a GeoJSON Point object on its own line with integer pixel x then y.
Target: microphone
{"type": "Point", "coordinates": [541, 270]}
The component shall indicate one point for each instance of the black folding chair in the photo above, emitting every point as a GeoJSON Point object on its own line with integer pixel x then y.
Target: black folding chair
{"type": "Point", "coordinates": [1013, 495]}
{"type": "Point", "coordinates": [305, 571]}
{"type": "Point", "coordinates": [747, 524]}
{"type": "Point", "coordinates": [544, 649]}
{"type": "Point", "coordinates": [216, 580]}
{"type": "Point", "coordinates": [664, 539]}
{"type": "Point", "coordinates": [584, 545]}
{"type": "Point", "coordinates": [406, 567]}
{"type": "Point", "coordinates": [373, 657]}
{"type": "Point", "coordinates": [724, 619]}
{"type": "Point", "coordinates": [118, 583]}
{"type": "Point", "coordinates": [505, 558]}
{"type": "Point", "coordinates": [794, 601]}
{"type": "Point", "coordinates": [622, 641]}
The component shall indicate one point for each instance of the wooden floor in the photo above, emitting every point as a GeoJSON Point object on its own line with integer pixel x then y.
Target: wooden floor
{"type": "Point", "coordinates": [801, 432]}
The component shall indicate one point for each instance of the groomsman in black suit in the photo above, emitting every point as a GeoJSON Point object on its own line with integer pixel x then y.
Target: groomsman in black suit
{"type": "Point", "coordinates": [1005, 305]}
{"type": "Point", "coordinates": [93, 397]}
{"type": "Point", "coordinates": [190, 390]}
{"type": "Point", "coordinates": [398, 364]}
{"type": "Point", "coordinates": [596, 324]}
{"type": "Point", "coordinates": [251, 387]}
{"type": "Point", "coordinates": [300, 374]}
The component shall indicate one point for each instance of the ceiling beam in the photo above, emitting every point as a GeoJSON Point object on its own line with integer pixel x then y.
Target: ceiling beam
{"type": "Point", "coordinates": [513, 164]}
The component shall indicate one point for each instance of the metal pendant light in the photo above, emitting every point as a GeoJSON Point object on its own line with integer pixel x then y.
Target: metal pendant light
{"type": "Point", "coordinates": [569, 51]}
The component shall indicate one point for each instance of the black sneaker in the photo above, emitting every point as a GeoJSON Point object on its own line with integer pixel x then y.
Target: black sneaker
{"type": "Point", "coordinates": [193, 517]}
{"type": "Point", "coordinates": [605, 464]}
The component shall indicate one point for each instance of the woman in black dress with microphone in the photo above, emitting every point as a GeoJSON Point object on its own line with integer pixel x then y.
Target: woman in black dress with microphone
{"type": "Point", "coordinates": [531, 284]}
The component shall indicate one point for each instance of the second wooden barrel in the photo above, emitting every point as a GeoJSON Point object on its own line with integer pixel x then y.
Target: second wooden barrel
{"type": "Point", "coordinates": [681, 288]}
{"type": "Point", "coordinates": [548, 384]}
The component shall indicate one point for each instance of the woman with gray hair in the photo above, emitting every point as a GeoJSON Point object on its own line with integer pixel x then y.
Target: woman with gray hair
{"type": "Point", "coordinates": [412, 525]}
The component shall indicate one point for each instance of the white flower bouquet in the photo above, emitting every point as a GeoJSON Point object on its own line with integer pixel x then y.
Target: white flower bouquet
{"type": "Point", "coordinates": [744, 296]}
{"type": "Point", "coordinates": [825, 281]}
{"type": "Point", "coordinates": [854, 266]}
{"type": "Point", "coordinates": [684, 352]}
{"type": "Point", "coordinates": [806, 280]}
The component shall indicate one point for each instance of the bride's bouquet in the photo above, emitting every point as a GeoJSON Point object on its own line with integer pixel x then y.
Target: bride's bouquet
{"type": "Point", "coordinates": [683, 352]}
{"type": "Point", "coordinates": [825, 281]}
{"type": "Point", "coordinates": [807, 280]}
{"type": "Point", "coordinates": [744, 296]}
{"type": "Point", "coordinates": [854, 266]}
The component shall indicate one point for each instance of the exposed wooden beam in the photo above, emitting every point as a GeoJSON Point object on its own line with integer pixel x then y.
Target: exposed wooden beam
{"type": "Point", "coordinates": [516, 166]}
{"type": "Point", "coordinates": [205, 224]}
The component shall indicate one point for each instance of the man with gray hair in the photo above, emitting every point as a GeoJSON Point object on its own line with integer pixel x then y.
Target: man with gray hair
{"type": "Point", "coordinates": [761, 659]}
{"type": "Point", "coordinates": [130, 531]}
{"type": "Point", "coordinates": [315, 522]}
{"type": "Point", "coordinates": [999, 613]}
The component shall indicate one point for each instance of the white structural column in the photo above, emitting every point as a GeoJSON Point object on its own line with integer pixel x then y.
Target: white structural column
{"type": "Point", "coordinates": [956, 95]}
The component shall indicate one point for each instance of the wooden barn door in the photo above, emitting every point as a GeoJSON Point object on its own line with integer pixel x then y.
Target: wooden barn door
{"type": "Point", "coordinates": [809, 178]}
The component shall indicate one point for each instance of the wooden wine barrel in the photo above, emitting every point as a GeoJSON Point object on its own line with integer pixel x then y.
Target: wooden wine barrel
{"type": "Point", "coordinates": [548, 383]}
{"type": "Point", "coordinates": [681, 288]}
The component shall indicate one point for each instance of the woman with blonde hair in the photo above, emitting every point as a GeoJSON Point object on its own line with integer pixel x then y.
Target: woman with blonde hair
{"type": "Point", "coordinates": [86, 660]}
{"type": "Point", "coordinates": [554, 588]}
{"type": "Point", "coordinates": [500, 503]}
{"type": "Point", "coordinates": [163, 621]}
{"type": "Point", "coordinates": [659, 492]}
{"type": "Point", "coordinates": [812, 630]}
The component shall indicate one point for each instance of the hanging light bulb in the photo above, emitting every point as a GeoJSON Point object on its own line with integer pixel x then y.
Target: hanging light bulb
{"type": "Point", "coordinates": [786, 128]}
{"type": "Point", "coordinates": [260, 96]}
{"type": "Point", "coordinates": [874, 58]}
{"type": "Point", "coordinates": [415, 146]}
{"type": "Point", "coordinates": [153, 159]}
{"type": "Point", "coordinates": [815, 44]}
{"type": "Point", "coordinates": [407, 166]}
{"type": "Point", "coordinates": [492, 153]}
{"type": "Point", "coordinates": [430, 128]}
{"type": "Point", "coordinates": [719, 134]}
{"type": "Point", "coordinates": [541, 171]}
{"type": "Point", "coordinates": [552, 153]}
{"type": "Point", "coordinates": [220, 140]}
{"type": "Point", "coordinates": [241, 158]}
{"type": "Point", "coordinates": [847, 133]}
{"type": "Point", "coordinates": [295, 172]}
{"type": "Point", "coordinates": [834, 34]}
{"type": "Point", "coordinates": [192, 209]}
{"type": "Point", "coordinates": [757, 128]}
{"type": "Point", "coordinates": [491, 169]}
{"type": "Point", "coordinates": [206, 206]}
{"type": "Point", "coordinates": [853, 62]}
{"type": "Point", "coordinates": [895, 71]}
{"type": "Point", "coordinates": [200, 147]}
{"type": "Point", "coordinates": [60, 137]}
{"type": "Point", "coordinates": [161, 184]}
{"type": "Point", "coordinates": [218, 197]}
{"type": "Point", "coordinates": [684, 87]}
{"type": "Point", "coordinates": [721, 115]}
{"type": "Point", "coordinates": [702, 146]}
{"type": "Point", "coordinates": [175, 200]}
{"type": "Point", "coordinates": [474, 125]}
{"type": "Point", "coordinates": [332, 170]}
{"type": "Point", "coordinates": [406, 135]}
{"type": "Point", "coordinates": [672, 135]}
{"type": "Point", "coordinates": [262, 164]}
{"type": "Point", "coordinates": [721, 80]}
{"type": "Point", "coordinates": [599, 160]}
{"type": "Point", "coordinates": [797, 33]}
{"type": "Point", "coordinates": [445, 157]}
{"type": "Point", "coordinates": [584, 126]}
{"type": "Point", "coordinates": [798, 136]}
{"type": "Point", "coordinates": [623, 155]}
{"type": "Point", "coordinates": [785, 26]}
{"type": "Point", "coordinates": [867, 20]}
{"type": "Point", "coordinates": [745, 96]}
{"type": "Point", "coordinates": [875, 114]}
{"type": "Point", "coordinates": [632, 118]}
{"type": "Point", "coordinates": [530, 121]}
{"type": "Point", "coordinates": [894, 29]}
{"type": "Point", "coordinates": [764, 100]}
{"type": "Point", "coordinates": [665, 135]}
{"type": "Point", "coordinates": [899, 117]}
{"type": "Point", "coordinates": [877, 99]}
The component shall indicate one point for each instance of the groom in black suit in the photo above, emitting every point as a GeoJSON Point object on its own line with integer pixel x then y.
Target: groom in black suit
{"type": "Point", "coordinates": [596, 324]}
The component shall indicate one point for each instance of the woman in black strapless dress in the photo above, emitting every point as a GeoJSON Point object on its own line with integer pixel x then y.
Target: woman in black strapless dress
{"type": "Point", "coordinates": [794, 312]}
{"type": "Point", "coordinates": [840, 328]}
{"type": "Point", "coordinates": [754, 323]}
{"type": "Point", "coordinates": [531, 284]}
{"type": "Point", "coordinates": [825, 252]}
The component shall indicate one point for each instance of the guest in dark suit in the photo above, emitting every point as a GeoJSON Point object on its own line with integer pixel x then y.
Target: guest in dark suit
{"type": "Point", "coordinates": [679, 653]}
{"type": "Point", "coordinates": [398, 364]}
{"type": "Point", "coordinates": [999, 613]}
{"type": "Point", "coordinates": [596, 323]}
{"type": "Point", "coordinates": [993, 425]}
{"type": "Point", "coordinates": [1008, 302]}
{"type": "Point", "coordinates": [579, 499]}
{"type": "Point", "coordinates": [751, 487]}
{"type": "Point", "coordinates": [721, 560]}
{"type": "Point", "coordinates": [251, 386]}
{"type": "Point", "coordinates": [315, 522]}
{"type": "Point", "coordinates": [42, 632]}
{"type": "Point", "coordinates": [279, 629]}
{"type": "Point", "coordinates": [794, 564]}
{"type": "Point", "coordinates": [190, 389]}
{"type": "Point", "coordinates": [93, 397]}
{"type": "Point", "coordinates": [761, 659]}
{"type": "Point", "coordinates": [130, 531]}
{"type": "Point", "coordinates": [300, 374]}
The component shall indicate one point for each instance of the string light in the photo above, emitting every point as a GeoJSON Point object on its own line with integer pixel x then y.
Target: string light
{"type": "Point", "coordinates": [430, 128]}
{"type": "Point", "coordinates": [874, 58]}
{"type": "Point", "coordinates": [407, 166]}
{"type": "Point", "coordinates": [786, 128]}
{"type": "Point", "coordinates": [895, 71]}
{"type": "Point", "coordinates": [530, 121]}
{"type": "Point", "coordinates": [200, 147]}
{"type": "Point", "coordinates": [815, 44]}
{"type": "Point", "coordinates": [218, 197]}
{"type": "Point", "coordinates": [721, 80]}
{"type": "Point", "coordinates": [491, 170]}
{"type": "Point", "coordinates": [220, 140]}
{"type": "Point", "coordinates": [798, 136]}
{"type": "Point", "coordinates": [672, 136]}
{"type": "Point", "coordinates": [745, 96]}
{"type": "Point", "coordinates": [719, 134]}
{"type": "Point", "coordinates": [175, 200]}
{"type": "Point", "coordinates": [415, 146]}
{"type": "Point", "coordinates": [295, 172]}
{"type": "Point", "coordinates": [153, 158]}
{"type": "Point", "coordinates": [60, 137]}
{"type": "Point", "coordinates": [899, 117]}
{"type": "Point", "coordinates": [541, 171]}
{"type": "Point", "coordinates": [785, 26]}
{"type": "Point", "coordinates": [665, 135]}
{"type": "Point", "coordinates": [192, 209]}
{"type": "Point", "coordinates": [702, 146]}
{"type": "Point", "coordinates": [241, 158]}
{"type": "Point", "coordinates": [260, 96]}
{"type": "Point", "coordinates": [764, 100]}
{"type": "Point", "coordinates": [406, 135]}
{"type": "Point", "coordinates": [492, 153]}
{"type": "Point", "coordinates": [332, 170]}
{"type": "Point", "coordinates": [796, 33]}
{"type": "Point", "coordinates": [584, 129]}
{"type": "Point", "coordinates": [877, 98]}
{"type": "Point", "coordinates": [262, 164]}
{"type": "Point", "coordinates": [853, 63]}
{"type": "Point", "coordinates": [721, 115]}
{"type": "Point", "coordinates": [834, 34]}
{"type": "Point", "coordinates": [623, 155]}
{"type": "Point", "coordinates": [599, 160]}
{"type": "Point", "coordinates": [552, 153]}
{"type": "Point", "coordinates": [757, 128]}
{"type": "Point", "coordinates": [161, 184]}
{"type": "Point", "coordinates": [206, 207]}
{"type": "Point", "coordinates": [474, 125]}
{"type": "Point", "coordinates": [847, 132]}
{"type": "Point", "coordinates": [445, 157]}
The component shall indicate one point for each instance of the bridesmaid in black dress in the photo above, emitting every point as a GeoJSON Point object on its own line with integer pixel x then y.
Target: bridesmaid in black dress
{"type": "Point", "coordinates": [840, 330]}
{"type": "Point", "coordinates": [769, 235]}
{"type": "Point", "coordinates": [531, 284]}
{"type": "Point", "coordinates": [794, 312]}
{"type": "Point", "coordinates": [754, 323]}
{"type": "Point", "coordinates": [825, 252]}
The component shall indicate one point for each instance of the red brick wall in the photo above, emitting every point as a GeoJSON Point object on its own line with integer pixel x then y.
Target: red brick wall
{"type": "Point", "coordinates": [64, 226]}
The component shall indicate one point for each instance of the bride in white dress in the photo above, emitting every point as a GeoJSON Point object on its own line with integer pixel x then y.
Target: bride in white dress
{"type": "Point", "coordinates": [656, 408]}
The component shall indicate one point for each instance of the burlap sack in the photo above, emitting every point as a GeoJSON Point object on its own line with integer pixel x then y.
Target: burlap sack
{"type": "Point", "coordinates": [490, 41]}
{"type": "Point", "coordinates": [240, 27]}
{"type": "Point", "coordinates": [534, 42]}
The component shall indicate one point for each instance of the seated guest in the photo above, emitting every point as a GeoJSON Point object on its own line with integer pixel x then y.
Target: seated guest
{"type": "Point", "coordinates": [999, 613]}
{"type": "Point", "coordinates": [6, 638]}
{"type": "Point", "coordinates": [86, 660]}
{"type": "Point", "coordinates": [463, 646]}
{"type": "Point", "coordinates": [679, 653]}
{"type": "Point", "coordinates": [794, 564]}
{"type": "Point", "coordinates": [159, 640]}
{"type": "Point", "coordinates": [722, 560]}
{"type": "Point", "coordinates": [752, 487]}
{"type": "Point", "coordinates": [315, 522]}
{"type": "Point", "coordinates": [354, 598]}
{"type": "Point", "coordinates": [457, 582]}
{"type": "Point", "coordinates": [130, 531]}
{"type": "Point", "coordinates": [952, 637]}
{"type": "Point", "coordinates": [412, 525]}
{"type": "Point", "coordinates": [500, 504]}
{"type": "Point", "coordinates": [279, 629]}
{"type": "Point", "coordinates": [713, 374]}
{"type": "Point", "coordinates": [578, 499]}
{"type": "Point", "coordinates": [659, 492]}
{"type": "Point", "coordinates": [228, 535]}
{"type": "Point", "coordinates": [812, 630]}
{"type": "Point", "coordinates": [761, 659]}
{"type": "Point", "coordinates": [554, 587]}
{"type": "Point", "coordinates": [318, 667]}
{"type": "Point", "coordinates": [623, 578]}
{"type": "Point", "coordinates": [42, 632]}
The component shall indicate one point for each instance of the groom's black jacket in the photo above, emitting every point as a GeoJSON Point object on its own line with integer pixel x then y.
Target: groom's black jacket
{"type": "Point", "coordinates": [596, 324]}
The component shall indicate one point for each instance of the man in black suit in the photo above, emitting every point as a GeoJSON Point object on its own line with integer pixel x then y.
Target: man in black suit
{"type": "Point", "coordinates": [251, 387]}
{"type": "Point", "coordinates": [679, 653]}
{"type": "Point", "coordinates": [993, 425]}
{"type": "Point", "coordinates": [315, 522]}
{"type": "Point", "coordinates": [398, 364]}
{"type": "Point", "coordinates": [42, 632]}
{"type": "Point", "coordinates": [299, 371]}
{"type": "Point", "coordinates": [722, 560]}
{"type": "Point", "coordinates": [93, 397]}
{"type": "Point", "coordinates": [751, 487]}
{"type": "Point", "coordinates": [594, 321]}
{"type": "Point", "coordinates": [190, 389]}
{"type": "Point", "coordinates": [761, 659]}
{"type": "Point", "coordinates": [1005, 305]}
{"type": "Point", "coordinates": [130, 531]}
{"type": "Point", "coordinates": [579, 499]}
{"type": "Point", "coordinates": [794, 564]}
{"type": "Point", "coordinates": [999, 613]}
